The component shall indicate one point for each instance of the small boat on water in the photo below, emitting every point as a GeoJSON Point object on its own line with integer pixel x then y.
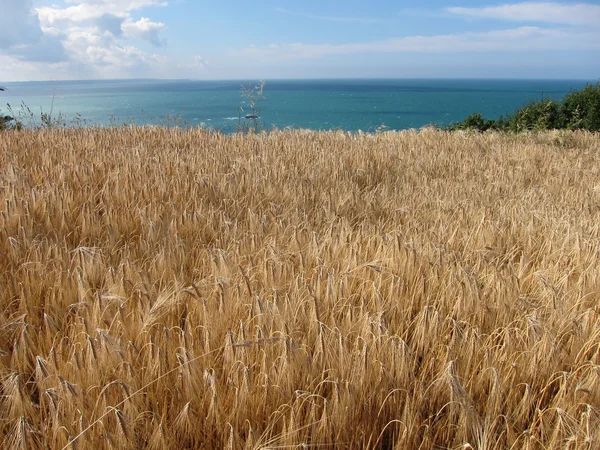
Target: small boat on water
{"type": "Point", "coordinates": [251, 116]}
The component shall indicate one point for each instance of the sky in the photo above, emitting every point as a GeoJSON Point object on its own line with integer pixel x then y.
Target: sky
{"type": "Point", "coordinates": [272, 39]}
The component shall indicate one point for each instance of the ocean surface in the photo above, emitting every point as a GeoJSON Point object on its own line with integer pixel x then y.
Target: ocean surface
{"type": "Point", "coordinates": [359, 104]}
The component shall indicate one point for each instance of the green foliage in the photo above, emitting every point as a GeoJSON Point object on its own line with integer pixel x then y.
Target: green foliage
{"type": "Point", "coordinates": [9, 123]}
{"type": "Point", "coordinates": [4, 122]}
{"type": "Point", "coordinates": [474, 122]}
{"type": "Point", "coordinates": [542, 115]}
{"type": "Point", "coordinates": [580, 110]}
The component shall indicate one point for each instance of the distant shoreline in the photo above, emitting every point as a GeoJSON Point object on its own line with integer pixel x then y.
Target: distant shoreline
{"type": "Point", "coordinates": [245, 80]}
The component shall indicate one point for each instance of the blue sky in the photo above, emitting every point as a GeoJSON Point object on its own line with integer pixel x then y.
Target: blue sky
{"type": "Point", "coordinates": [198, 39]}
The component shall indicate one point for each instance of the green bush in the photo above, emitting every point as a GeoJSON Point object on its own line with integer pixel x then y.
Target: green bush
{"type": "Point", "coordinates": [4, 121]}
{"type": "Point", "coordinates": [542, 115]}
{"type": "Point", "coordinates": [580, 110]}
{"type": "Point", "coordinates": [474, 122]}
{"type": "Point", "coordinates": [9, 123]}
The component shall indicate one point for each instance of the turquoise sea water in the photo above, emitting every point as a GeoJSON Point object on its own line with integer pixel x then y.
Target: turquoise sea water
{"type": "Point", "coordinates": [316, 104]}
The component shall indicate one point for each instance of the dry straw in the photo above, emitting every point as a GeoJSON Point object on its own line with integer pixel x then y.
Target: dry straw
{"type": "Point", "coordinates": [167, 288]}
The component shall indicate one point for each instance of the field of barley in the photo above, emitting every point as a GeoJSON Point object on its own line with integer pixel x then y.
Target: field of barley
{"type": "Point", "coordinates": [180, 289]}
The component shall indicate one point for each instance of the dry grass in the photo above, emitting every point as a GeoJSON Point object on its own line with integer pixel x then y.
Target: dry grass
{"type": "Point", "coordinates": [177, 289]}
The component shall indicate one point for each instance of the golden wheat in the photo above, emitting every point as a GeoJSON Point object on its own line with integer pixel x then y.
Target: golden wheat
{"type": "Point", "coordinates": [166, 288]}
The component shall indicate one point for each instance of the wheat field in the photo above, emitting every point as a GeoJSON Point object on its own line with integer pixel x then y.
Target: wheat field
{"type": "Point", "coordinates": [181, 289]}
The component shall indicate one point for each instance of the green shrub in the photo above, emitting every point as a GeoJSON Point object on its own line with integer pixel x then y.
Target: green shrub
{"type": "Point", "coordinates": [542, 115]}
{"type": "Point", "coordinates": [474, 122]}
{"type": "Point", "coordinates": [580, 110]}
{"type": "Point", "coordinates": [9, 123]}
{"type": "Point", "coordinates": [4, 121]}
{"type": "Point", "coordinates": [477, 122]}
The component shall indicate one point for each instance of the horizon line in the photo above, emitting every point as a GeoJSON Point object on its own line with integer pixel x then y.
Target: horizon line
{"type": "Point", "coordinates": [304, 79]}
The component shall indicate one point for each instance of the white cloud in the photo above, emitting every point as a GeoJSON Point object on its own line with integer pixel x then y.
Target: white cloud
{"type": "Point", "coordinates": [22, 36]}
{"type": "Point", "coordinates": [90, 10]}
{"type": "Point", "coordinates": [17, 69]}
{"type": "Point", "coordinates": [199, 61]}
{"type": "Point", "coordinates": [340, 19]}
{"type": "Point", "coordinates": [548, 12]}
{"type": "Point", "coordinates": [192, 67]}
{"type": "Point", "coordinates": [97, 37]}
{"type": "Point", "coordinates": [145, 29]}
{"type": "Point", "coordinates": [515, 39]}
{"type": "Point", "coordinates": [49, 49]}
{"type": "Point", "coordinates": [60, 17]}
{"type": "Point", "coordinates": [107, 15]}
{"type": "Point", "coordinates": [18, 23]}
{"type": "Point", "coordinates": [110, 23]}
{"type": "Point", "coordinates": [102, 50]}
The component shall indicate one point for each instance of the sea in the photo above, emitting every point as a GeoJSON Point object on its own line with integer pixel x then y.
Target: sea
{"type": "Point", "coordinates": [346, 104]}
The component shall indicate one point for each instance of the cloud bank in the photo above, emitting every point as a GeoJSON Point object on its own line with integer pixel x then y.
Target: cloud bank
{"type": "Point", "coordinates": [90, 38]}
{"type": "Point", "coordinates": [514, 39]}
{"type": "Point", "coordinates": [340, 19]}
{"type": "Point", "coordinates": [546, 12]}
{"type": "Point", "coordinates": [22, 36]}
